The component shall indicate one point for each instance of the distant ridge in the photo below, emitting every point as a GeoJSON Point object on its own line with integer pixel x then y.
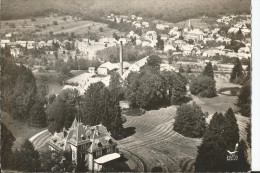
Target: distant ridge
{"type": "Point", "coordinates": [170, 10]}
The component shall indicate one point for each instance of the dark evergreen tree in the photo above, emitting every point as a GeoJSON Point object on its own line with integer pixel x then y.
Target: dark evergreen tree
{"type": "Point", "coordinates": [116, 86]}
{"type": "Point", "coordinates": [241, 164]}
{"type": "Point", "coordinates": [244, 99]}
{"type": "Point", "coordinates": [237, 74]}
{"type": "Point", "coordinates": [160, 43]}
{"type": "Point", "coordinates": [7, 141]}
{"type": "Point", "coordinates": [27, 158]}
{"type": "Point", "coordinates": [208, 70]}
{"type": "Point", "coordinates": [63, 110]}
{"type": "Point", "coordinates": [37, 114]}
{"type": "Point", "coordinates": [231, 131]}
{"type": "Point", "coordinates": [212, 152]}
{"type": "Point", "coordinates": [99, 106]}
{"type": "Point", "coordinates": [190, 121]}
{"type": "Point", "coordinates": [181, 69]}
{"type": "Point", "coordinates": [188, 69]}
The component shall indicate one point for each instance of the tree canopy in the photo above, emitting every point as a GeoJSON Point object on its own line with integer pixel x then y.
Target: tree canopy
{"type": "Point", "coordinates": [62, 111]}
{"type": "Point", "coordinates": [208, 70]}
{"type": "Point", "coordinates": [237, 75]}
{"type": "Point", "coordinates": [18, 90]}
{"type": "Point", "coordinates": [99, 106]}
{"type": "Point", "coordinates": [203, 86]}
{"type": "Point", "coordinates": [244, 99]}
{"type": "Point", "coordinates": [152, 88]}
{"type": "Point", "coordinates": [190, 121]}
{"type": "Point", "coordinates": [7, 141]}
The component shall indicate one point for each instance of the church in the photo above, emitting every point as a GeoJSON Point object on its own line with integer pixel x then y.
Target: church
{"type": "Point", "coordinates": [91, 144]}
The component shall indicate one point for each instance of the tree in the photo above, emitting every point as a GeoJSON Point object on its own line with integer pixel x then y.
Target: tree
{"type": "Point", "coordinates": [212, 151]}
{"type": "Point", "coordinates": [181, 69]}
{"type": "Point", "coordinates": [152, 88]}
{"type": "Point", "coordinates": [63, 110]}
{"type": "Point", "coordinates": [115, 86]}
{"type": "Point", "coordinates": [242, 164]}
{"type": "Point", "coordinates": [37, 114]}
{"type": "Point", "coordinates": [99, 106]}
{"type": "Point", "coordinates": [160, 43]}
{"type": "Point", "coordinates": [231, 131]}
{"type": "Point", "coordinates": [56, 161]}
{"type": "Point", "coordinates": [55, 22]}
{"type": "Point", "coordinates": [244, 99]}
{"type": "Point", "coordinates": [101, 29]}
{"type": "Point", "coordinates": [203, 86]}
{"type": "Point", "coordinates": [248, 135]}
{"type": "Point", "coordinates": [115, 36]}
{"type": "Point", "coordinates": [190, 121]}
{"type": "Point", "coordinates": [27, 158]}
{"type": "Point", "coordinates": [208, 70]}
{"type": "Point", "coordinates": [154, 61]}
{"type": "Point", "coordinates": [7, 141]}
{"type": "Point", "coordinates": [188, 69]}
{"type": "Point", "coordinates": [237, 74]}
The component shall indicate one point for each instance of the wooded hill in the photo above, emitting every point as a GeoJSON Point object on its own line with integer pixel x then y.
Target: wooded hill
{"type": "Point", "coordinates": [169, 10]}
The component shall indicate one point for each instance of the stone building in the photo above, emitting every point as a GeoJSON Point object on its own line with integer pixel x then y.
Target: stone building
{"type": "Point", "coordinates": [91, 144]}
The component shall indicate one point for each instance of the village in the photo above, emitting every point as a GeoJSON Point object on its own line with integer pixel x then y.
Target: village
{"type": "Point", "coordinates": [70, 64]}
{"type": "Point", "coordinates": [188, 45]}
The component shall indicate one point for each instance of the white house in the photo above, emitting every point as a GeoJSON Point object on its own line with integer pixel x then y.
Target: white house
{"type": "Point", "coordinates": [150, 35]}
{"type": "Point", "coordinates": [4, 43]}
{"type": "Point", "coordinates": [107, 67]}
{"type": "Point", "coordinates": [21, 43]}
{"type": "Point", "coordinates": [145, 24]}
{"type": "Point", "coordinates": [162, 26]}
{"type": "Point", "coordinates": [168, 47]}
{"type": "Point", "coordinates": [8, 35]}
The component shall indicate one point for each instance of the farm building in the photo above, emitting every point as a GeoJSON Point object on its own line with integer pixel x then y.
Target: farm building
{"type": "Point", "coordinates": [107, 68]}
{"type": "Point", "coordinates": [138, 64]}
{"type": "Point", "coordinates": [92, 144]}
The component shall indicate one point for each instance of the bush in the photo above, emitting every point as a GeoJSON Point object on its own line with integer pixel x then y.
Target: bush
{"type": "Point", "coordinates": [101, 29]}
{"type": "Point", "coordinates": [190, 121]}
{"type": "Point", "coordinates": [55, 22]}
{"type": "Point", "coordinates": [203, 86]}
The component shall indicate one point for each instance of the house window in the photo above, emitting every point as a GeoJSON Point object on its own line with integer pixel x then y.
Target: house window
{"type": "Point", "coordinates": [83, 156]}
{"type": "Point", "coordinates": [104, 151]}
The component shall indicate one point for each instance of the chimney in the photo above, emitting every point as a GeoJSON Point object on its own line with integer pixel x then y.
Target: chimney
{"type": "Point", "coordinates": [121, 58]}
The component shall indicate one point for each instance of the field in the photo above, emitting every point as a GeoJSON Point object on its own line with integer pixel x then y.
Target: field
{"type": "Point", "coordinates": [20, 130]}
{"type": "Point", "coordinates": [66, 26]}
{"type": "Point", "coordinates": [156, 144]}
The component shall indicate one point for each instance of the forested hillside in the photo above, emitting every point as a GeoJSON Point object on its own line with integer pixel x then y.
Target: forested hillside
{"type": "Point", "coordinates": [170, 10]}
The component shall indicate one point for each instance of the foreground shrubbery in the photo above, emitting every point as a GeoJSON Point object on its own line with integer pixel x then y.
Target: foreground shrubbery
{"type": "Point", "coordinates": [203, 86]}
{"type": "Point", "coordinates": [190, 121]}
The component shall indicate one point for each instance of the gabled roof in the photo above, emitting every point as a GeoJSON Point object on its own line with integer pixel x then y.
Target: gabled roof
{"type": "Point", "coordinates": [110, 66]}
